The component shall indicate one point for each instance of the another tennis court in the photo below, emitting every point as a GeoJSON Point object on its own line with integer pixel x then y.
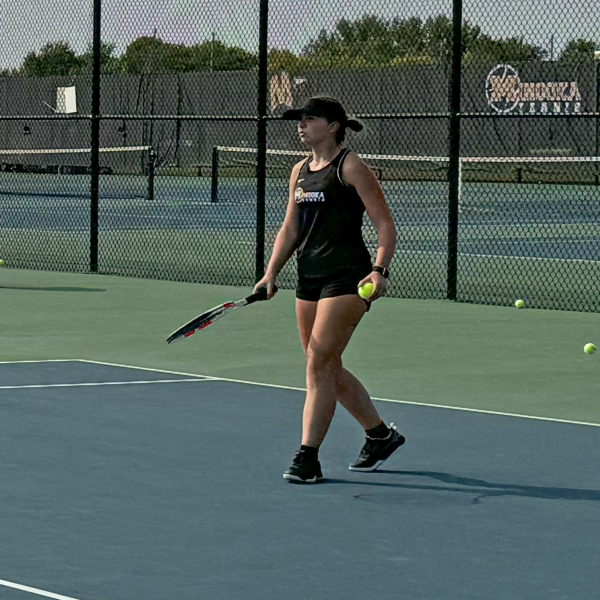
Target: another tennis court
{"type": "Point", "coordinates": [530, 221]}
{"type": "Point", "coordinates": [540, 240]}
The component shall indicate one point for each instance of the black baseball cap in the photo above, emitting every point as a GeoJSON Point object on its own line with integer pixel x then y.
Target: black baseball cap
{"type": "Point", "coordinates": [326, 108]}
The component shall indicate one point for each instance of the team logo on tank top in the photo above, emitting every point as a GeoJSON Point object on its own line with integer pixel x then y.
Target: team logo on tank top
{"type": "Point", "coordinates": [302, 196]}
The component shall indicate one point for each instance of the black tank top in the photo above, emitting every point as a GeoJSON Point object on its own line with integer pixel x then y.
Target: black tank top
{"type": "Point", "coordinates": [331, 216]}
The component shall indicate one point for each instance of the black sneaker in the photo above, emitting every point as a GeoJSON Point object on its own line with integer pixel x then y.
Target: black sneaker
{"type": "Point", "coordinates": [376, 451]}
{"type": "Point", "coordinates": [304, 469]}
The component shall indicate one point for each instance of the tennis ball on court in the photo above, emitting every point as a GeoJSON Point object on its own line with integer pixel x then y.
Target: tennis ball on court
{"type": "Point", "coordinates": [1, 262]}
{"type": "Point", "coordinates": [589, 348]}
{"type": "Point", "coordinates": [519, 304]}
{"type": "Point", "coordinates": [365, 291]}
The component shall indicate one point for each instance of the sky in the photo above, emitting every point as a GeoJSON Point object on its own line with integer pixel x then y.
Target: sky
{"type": "Point", "coordinates": [27, 25]}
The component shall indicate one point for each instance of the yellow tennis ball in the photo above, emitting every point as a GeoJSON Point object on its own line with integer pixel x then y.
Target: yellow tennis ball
{"type": "Point", "coordinates": [365, 291]}
{"type": "Point", "coordinates": [1, 262]}
{"type": "Point", "coordinates": [519, 303]}
{"type": "Point", "coordinates": [589, 348]}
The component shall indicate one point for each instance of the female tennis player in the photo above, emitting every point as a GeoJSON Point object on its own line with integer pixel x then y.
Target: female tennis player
{"type": "Point", "coordinates": [329, 193]}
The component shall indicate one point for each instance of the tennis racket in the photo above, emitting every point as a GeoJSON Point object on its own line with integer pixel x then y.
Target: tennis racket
{"type": "Point", "coordinates": [214, 314]}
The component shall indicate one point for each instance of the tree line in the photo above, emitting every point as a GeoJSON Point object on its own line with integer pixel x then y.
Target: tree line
{"type": "Point", "coordinates": [370, 42]}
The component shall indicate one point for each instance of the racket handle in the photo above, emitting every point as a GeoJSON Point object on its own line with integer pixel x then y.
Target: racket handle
{"type": "Point", "coordinates": [260, 295]}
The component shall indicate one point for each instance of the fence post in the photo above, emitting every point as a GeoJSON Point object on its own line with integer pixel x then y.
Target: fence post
{"type": "Point", "coordinates": [214, 176]}
{"type": "Point", "coordinates": [261, 167]}
{"type": "Point", "coordinates": [95, 135]}
{"type": "Point", "coordinates": [597, 57]}
{"type": "Point", "coordinates": [454, 174]}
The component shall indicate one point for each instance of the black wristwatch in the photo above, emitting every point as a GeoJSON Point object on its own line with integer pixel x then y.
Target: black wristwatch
{"type": "Point", "coordinates": [382, 271]}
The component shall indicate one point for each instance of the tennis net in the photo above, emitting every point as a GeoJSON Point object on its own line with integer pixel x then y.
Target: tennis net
{"type": "Point", "coordinates": [232, 166]}
{"type": "Point", "coordinates": [126, 172]}
{"type": "Point", "coordinates": [241, 162]}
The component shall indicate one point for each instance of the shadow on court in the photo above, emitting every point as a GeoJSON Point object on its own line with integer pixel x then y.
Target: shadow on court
{"type": "Point", "coordinates": [483, 489]}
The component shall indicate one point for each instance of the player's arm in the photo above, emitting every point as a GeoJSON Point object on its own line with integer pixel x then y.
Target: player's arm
{"type": "Point", "coordinates": [356, 174]}
{"type": "Point", "coordinates": [287, 238]}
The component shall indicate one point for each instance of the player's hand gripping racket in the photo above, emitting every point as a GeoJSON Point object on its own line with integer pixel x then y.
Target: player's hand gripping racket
{"type": "Point", "coordinates": [214, 314]}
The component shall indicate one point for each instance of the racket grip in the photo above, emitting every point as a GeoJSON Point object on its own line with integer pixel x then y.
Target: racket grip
{"type": "Point", "coordinates": [260, 295]}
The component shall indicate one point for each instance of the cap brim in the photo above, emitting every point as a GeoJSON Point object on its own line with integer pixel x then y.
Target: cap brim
{"type": "Point", "coordinates": [292, 115]}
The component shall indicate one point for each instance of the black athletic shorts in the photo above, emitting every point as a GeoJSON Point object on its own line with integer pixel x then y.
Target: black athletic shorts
{"type": "Point", "coordinates": [342, 283]}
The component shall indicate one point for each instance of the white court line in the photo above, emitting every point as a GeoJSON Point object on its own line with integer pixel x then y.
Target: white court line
{"type": "Point", "coordinates": [393, 401]}
{"type": "Point", "coordinates": [474, 255]}
{"type": "Point", "coordinates": [537, 258]}
{"type": "Point", "coordinates": [24, 588]}
{"type": "Point", "coordinates": [107, 364]}
{"type": "Point", "coordinates": [50, 360]}
{"type": "Point", "coordinates": [99, 384]}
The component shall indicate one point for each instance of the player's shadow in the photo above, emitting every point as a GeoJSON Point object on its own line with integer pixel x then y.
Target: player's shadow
{"type": "Point", "coordinates": [50, 289]}
{"type": "Point", "coordinates": [472, 486]}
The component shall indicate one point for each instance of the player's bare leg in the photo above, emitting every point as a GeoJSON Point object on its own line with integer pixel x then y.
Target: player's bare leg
{"type": "Point", "coordinates": [325, 329]}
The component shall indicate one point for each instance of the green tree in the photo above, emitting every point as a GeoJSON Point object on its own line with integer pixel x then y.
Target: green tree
{"type": "Point", "coordinates": [284, 60]}
{"type": "Point", "coordinates": [232, 58]}
{"type": "Point", "coordinates": [324, 51]}
{"type": "Point", "coordinates": [150, 55]}
{"type": "Point", "coordinates": [578, 51]}
{"type": "Point", "coordinates": [485, 49]}
{"type": "Point", "coordinates": [437, 38]}
{"type": "Point", "coordinates": [407, 38]}
{"type": "Point", "coordinates": [366, 42]}
{"type": "Point", "coordinates": [375, 42]}
{"type": "Point", "coordinates": [110, 62]}
{"type": "Point", "coordinates": [53, 59]}
{"type": "Point", "coordinates": [144, 56]}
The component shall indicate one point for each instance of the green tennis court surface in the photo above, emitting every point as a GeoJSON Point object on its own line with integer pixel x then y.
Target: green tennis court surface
{"type": "Point", "coordinates": [494, 358]}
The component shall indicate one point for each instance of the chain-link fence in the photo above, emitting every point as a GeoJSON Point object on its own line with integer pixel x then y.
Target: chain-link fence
{"type": "Point", "coordinates": [146, 139]}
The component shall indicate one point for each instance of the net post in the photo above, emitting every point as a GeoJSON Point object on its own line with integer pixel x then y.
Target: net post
{"type": "Point", "coordinates": [214, 182]}
{"type": "Point", "coordinates": [151, 171]}
{"type": "Point", "coordinates": [95, 136]}
{"type": "Point", "coordinates": [460, 183]}
{"type": "Point", "coordinates": [454, 170]}
{"type": "Point", "coordinates": [261, 164]}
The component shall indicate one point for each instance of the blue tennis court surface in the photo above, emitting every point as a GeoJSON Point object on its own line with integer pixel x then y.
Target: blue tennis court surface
{"type": "Point", "coordinates": [533, 221]}
{"type": "Point", "coordinates": [120, 483]}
